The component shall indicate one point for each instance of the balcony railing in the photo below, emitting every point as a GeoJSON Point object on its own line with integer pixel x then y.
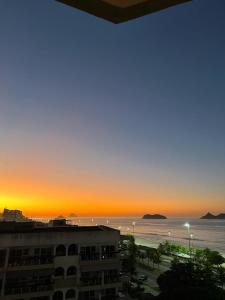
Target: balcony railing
{"type": "Point", "coordinates": [30, 261]}
{"type": "Point", "coordinates": [27, 289]}
{"type": "Point", "coordinates": [89, 256]}
{"type": "Point", "coordinates": [108, 280]}
{"type": "Point", "coordinates": [90, 281]}
{"type": "Point", "coordinates": [108, 255]}
{"type": "Point", "coordinates": [90, 298]}
{"type": "Point", "coordinates": [97, 256]}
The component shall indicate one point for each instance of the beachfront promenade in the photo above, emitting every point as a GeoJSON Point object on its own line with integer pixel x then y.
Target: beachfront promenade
{"type": "Point", "coordinates": [151, 262]}
{"type": "Point", "coordinates": [151, 285]}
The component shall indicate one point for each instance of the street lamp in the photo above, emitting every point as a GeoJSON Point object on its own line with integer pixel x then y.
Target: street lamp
{"type": "Point", "coordinates": [191, 237]}
{"type": "Point", "coordinates": [133, 225]}
{"type": "Point", "coordinates": [187, 225]}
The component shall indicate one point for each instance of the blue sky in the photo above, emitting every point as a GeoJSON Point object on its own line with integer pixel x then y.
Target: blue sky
{"type": "Point", "coordinates": [142, 101]}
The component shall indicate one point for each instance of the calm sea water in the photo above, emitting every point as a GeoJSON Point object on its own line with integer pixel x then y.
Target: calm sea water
{"type": "Point", "coordinates": [206, 233]}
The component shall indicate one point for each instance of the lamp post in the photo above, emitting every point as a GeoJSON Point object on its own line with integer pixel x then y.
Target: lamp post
{"type": "Point", "coordinates": [133, 225]}
{"type": "Point", "coordinates": [169, 235]}
{"type": "Point", "coordinates": [191, 237]}
{"type": "Point", "coordinates": [187, 225]}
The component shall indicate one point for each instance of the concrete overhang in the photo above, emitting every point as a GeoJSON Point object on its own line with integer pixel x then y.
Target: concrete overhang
{"type": "Point", "coordinates": [118, 11]}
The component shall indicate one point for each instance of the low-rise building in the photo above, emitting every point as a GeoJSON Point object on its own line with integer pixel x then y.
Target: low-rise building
{"type": "Point", "coordinates": [58, 261]}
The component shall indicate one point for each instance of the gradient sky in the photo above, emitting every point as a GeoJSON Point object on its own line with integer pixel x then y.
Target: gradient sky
{"type": "Point", "coordinates": [103, 119]}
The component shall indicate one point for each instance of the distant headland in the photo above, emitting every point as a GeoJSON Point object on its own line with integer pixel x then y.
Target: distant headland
{"type": "Point", "coordinates": [15, 215]}
{"type": "Point", "coordinates": [154, 217]}
{"type": "Point", "coordinates": [210, 216]}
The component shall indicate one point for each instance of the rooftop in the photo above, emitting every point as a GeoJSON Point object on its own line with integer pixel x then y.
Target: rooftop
{"type": "Point", "coordinates": [37, 227]}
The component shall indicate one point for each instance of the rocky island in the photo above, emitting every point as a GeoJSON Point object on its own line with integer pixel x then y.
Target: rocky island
{"type": "Point", "coordinates": [210, 216]}
{"type": "Point", "coordinates": [154, 217]}
{"type": "Point", "coordinates": [15, 215]}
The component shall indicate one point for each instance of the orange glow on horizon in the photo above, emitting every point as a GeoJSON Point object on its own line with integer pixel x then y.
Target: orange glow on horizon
{"type": "Point", "coordinates": [41, 188]}
{"type": "Point", "coordinates": [42, 199]}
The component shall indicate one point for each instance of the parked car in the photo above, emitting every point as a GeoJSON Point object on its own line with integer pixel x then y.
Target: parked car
{"type": "Point", "coordinates": [142, 277]}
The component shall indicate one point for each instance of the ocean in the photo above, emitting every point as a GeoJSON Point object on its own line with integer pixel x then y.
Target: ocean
{"type": "Point", "coordinates": [206, 233]}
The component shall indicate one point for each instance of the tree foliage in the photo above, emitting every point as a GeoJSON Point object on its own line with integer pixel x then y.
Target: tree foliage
{"type": "Point", "coordinates": [189, 281]}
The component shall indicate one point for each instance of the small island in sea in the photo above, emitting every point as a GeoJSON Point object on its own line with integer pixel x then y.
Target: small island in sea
{"type": "Point", "coordinates": [154, 217]}
{"type": "Point", "coordinates": [14, 215]}
{"type": "Point", "coordinates": [210, 216]}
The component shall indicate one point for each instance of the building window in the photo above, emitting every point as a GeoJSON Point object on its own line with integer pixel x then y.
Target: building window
{"type": "Point", "coordinates": [58, 296]}
{"type": "Point", "coordinates": [109, 294]}
{"type": "Point", "coordinates": [108, 252]}
{"type": "Point", "coordinates": [89, 253]}
{"type": "Point", "coordinates": [111, 276]}
{"type": "Point", "coordinates": [59, 272]}
{"type": "Point", "coordinates": [72, 250]}
{"type": "Point", "coordinates": [25, 282]}
{"type": "Point", "coordinates": [43, 251]}
{"type": "Point", "coordinates": [71, 271]}
{"type": "Point", "coordinates": [89, 295]}
{"type": "Point", "coordinates": [2, 257]}
{"type": "Point", "coordinates": [60, 250]}
{"type": "Point", "coordinates": [70, 294]}
{"type": "Point", "coordinates": [19, 256]}
{"type": "Point", "coordinates": [91, 278]}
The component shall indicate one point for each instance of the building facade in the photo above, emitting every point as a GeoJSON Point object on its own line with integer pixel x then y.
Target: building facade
{"type": "Point", "coordinates": [58, 262]}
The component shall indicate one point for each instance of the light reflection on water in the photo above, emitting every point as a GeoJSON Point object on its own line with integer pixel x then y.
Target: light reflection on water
{"type": "Point", "coordinates": [206, 233]}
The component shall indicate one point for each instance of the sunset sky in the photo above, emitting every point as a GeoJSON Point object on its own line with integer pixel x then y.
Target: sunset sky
{"type": "Point", "coordinates": [102, 119]}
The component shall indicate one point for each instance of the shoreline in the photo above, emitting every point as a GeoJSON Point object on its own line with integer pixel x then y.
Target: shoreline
{"type": "Point", "coordinates": [144, 242]}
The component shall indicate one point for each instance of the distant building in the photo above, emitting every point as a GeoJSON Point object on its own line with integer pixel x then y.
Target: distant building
{"type": "Point", "coordinates": [13, 216]}
{"type": "Point", "coordinates": [58, 262]}
{"type": "Point", "coordinates": [118, 11]}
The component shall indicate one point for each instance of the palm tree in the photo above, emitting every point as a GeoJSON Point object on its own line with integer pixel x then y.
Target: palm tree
{"type": "Point", "coordinates": [221, 276]}
{"type": "Point", "coordinates": [148, 254]}
{"type": "Point", "coordinates": [157, 257]}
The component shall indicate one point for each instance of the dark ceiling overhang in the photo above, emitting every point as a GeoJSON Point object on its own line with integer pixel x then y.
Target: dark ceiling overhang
{"type": "Point", "coordinates": [118, 11]}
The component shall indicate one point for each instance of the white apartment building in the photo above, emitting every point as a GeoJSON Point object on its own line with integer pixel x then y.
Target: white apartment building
{"type": "Point", "coordinates": [58, 261]}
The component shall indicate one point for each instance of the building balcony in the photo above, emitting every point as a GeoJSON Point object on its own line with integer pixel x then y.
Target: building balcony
{"type": "Point", "coordinates": [65, 282]}
{"type": "Point", "coordinates": [99, 259]}
{"type": "Point", "coordinates": [30, 261]}
{"type": "Point", "coordinates": [90, 282]}
{"type": "Point", "coordinates": [28, 289]}
{"type": "Point", "coordinates": [90, 257]}
{"type": "Point", "coordinates": [111, 280]}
